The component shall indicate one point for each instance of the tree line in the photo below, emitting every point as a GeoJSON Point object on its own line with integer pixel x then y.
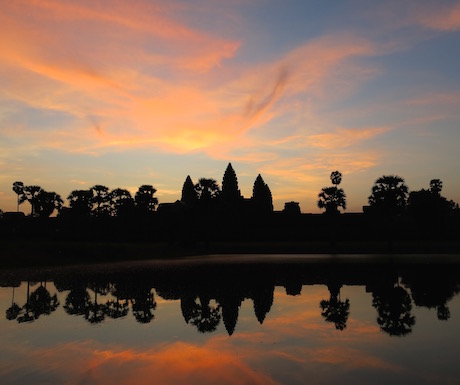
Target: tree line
{"type": "Point", "coordinates": [208, 211]}
{"type": "Point", "coordinates": [390, 196]}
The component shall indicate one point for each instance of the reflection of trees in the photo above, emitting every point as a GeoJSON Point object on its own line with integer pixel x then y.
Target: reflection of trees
{"type": "Point", "coordinates": [433, 290]}
{"type": "Point", "coordinates": [335, 310]}
{"type": "Point", "coordinates": [95, 311]}
{"type": "Point", "coordinates": [77, 301]}
{"type": "Point", "coordinates": [13, 311]}
{"type": "Point", "coordinates": [143, 305]}
{"type": "Point", "coordinates": [206, 318]}
{"type": "Point", "coordinates": [117, 309]}
{"type": "Point", "coordinates": [39, 302]}
{"type": "Point", "coordinates": [394, 307]}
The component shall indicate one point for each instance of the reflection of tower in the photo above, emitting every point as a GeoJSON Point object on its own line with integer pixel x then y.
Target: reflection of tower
{"type": "Point", "coordinates": [263, 301]}
{"type": "Point", "coordinates": [187, 303]}
{"type": "Point", "coordinates": [230, 307]}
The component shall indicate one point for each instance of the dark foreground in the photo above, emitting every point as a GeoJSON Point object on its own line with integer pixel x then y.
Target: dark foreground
{"type": "Point", "coordinates": [35, 253]}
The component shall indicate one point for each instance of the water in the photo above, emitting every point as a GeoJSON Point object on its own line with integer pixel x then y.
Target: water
{"type": "Point", "coordinates": [234, 320]}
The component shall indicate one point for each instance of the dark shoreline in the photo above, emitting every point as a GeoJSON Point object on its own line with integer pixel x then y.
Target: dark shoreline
{"type": "Point", "coordinates": [34, 253]}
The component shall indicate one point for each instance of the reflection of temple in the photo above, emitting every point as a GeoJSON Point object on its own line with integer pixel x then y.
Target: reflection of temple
{"type": "Point", "coordinates": [212, 294]}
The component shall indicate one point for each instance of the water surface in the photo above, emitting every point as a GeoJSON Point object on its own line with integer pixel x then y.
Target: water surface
{"type": "Point", "coordinates": [234, 320]}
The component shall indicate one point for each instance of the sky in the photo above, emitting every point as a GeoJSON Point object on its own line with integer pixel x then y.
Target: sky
{"type": "Point", "coordinates": [147, 92]}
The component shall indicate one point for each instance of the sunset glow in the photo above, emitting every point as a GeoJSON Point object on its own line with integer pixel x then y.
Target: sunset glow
{"type": "Point", "coordinates": [148, 92]}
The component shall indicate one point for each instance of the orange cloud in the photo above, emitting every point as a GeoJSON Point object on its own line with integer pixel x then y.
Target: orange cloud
{"type": "Point", "coordinates": [440, 17]}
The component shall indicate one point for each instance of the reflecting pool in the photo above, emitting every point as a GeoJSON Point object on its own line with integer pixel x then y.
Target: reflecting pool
{"type": "Point", "coordinates": [234, 320]}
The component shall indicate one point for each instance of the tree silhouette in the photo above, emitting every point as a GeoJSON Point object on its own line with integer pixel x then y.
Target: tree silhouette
{"type": "Point", "coordinates": [332, 198]}
{"type": "Point", "coordinates": [261, 196]}
{"type": "Point", "coordinates": [207, 189]}
{"type": "Point", "coordinates": [145, 200]}
{"type": "Point", "coordinates": [389, 195]}
{"type": "Point", "coordinates": [189, 194]}
{"type": "Point", "coordinates": [18, 188]}
{"type": "Point", "coordinates": [101, 200]}
{"type": "Point", "coordinates": [430, 209]}
{"type": "Point", "coordinates": [336, 177]}
{"type": "Point", "coordinates": [47, 202]}
{"type": "Point", "coordinates": [122, 202]}
{"type": "Point", "coordinates": [81, 202]}
{"type": "Point", "coordinates": [30, 194]}
{"type": "Point", "coordinates": [436, 186]}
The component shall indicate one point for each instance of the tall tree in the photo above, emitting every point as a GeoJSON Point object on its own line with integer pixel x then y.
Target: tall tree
{"type": "Point", "coordinates": [145, 200]}
{"type": "Point", "coordinates": [261, 196]}
{"type": "Point", "coordinates": [189, 194]}
{"type": "Point", "coordinates": [31, 195]}
{"type": "Point", "coordinates": [18, 188]}
{"type": "Point", "coordinates": [332, 198]}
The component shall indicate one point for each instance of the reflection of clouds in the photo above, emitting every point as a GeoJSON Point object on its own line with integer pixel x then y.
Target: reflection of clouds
{"type": "Point", "coordinates": [177, 363]}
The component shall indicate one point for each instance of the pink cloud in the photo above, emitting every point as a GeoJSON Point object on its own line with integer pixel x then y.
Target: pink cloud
{"type": "Point", "coordinates": [440, 17]}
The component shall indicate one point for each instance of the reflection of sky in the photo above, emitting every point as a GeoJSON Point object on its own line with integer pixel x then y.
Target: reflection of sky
{"type": "Point", "coordinates": [294, 345]}
{"type": "Point", "coordinates": [148, 93]}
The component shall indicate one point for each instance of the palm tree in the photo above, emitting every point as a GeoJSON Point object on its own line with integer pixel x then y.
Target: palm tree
{"type": "Point", "coordinates": [145, 200]}
{"type": "Point", "coordinates": [30, 194]}
{"type": "Point", "coordinates": [207, 189]}
{"type": "Point", "coordinates": [18, 188]}
{"type": "Point", "coordinates": [331, 199]}
{"type": "Point", "coordinates": [389, 194]}
{"type": "Point", "coordinates": [336, 177]}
